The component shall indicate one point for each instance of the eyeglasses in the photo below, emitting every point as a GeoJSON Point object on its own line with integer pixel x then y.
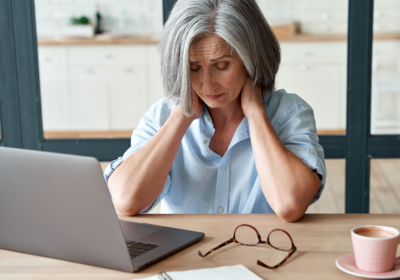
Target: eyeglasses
{"type": "Point", "coordinates": [247, 235]}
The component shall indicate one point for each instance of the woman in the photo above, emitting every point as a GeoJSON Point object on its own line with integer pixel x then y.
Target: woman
{"type": "Point", "coordinates": [223, 140]}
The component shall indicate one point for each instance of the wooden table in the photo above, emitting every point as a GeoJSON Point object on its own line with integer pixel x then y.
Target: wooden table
{"type": "Point", "coordinates": [320, 239]}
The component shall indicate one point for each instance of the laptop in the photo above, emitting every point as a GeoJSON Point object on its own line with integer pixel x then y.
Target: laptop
{"type": "Point", "coordinates": [58, 206]}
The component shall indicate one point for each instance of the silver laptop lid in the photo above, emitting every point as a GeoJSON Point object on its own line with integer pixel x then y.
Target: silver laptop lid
{"type": "Point", "coordinates": [58, 206]}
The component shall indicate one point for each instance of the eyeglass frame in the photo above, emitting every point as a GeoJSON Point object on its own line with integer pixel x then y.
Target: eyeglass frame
{"type": "Point", "coordinates": [291, 250]}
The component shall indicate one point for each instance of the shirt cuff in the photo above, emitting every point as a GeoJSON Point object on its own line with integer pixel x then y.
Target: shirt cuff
{"type": "Point", "coordinates": [309, 156]}
{"type": "Point", "coordinates": [111, 168]}
{"type": "Point", "coordinates": [315, 164]}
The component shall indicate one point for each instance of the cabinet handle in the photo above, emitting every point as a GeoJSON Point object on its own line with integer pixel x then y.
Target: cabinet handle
{"type": "Point", "coordinates": [89, 70]}
{"type": "Point", "coordinates": [325, 16]}
{"type": "Point", "coordinates": [326, 27]}
{"type": "Point", "coordinates": [304, 67]}
{"type": "Point", "coordinates": [129, 70]}
{"type": "Point", "coordinates": [308, 53]}
{"type": "Point", "coordinates": [375, 65]}
{"type": "Point", "coordinates": [107, 56]}
{"type": "Point", "coordinates": [45, 58]}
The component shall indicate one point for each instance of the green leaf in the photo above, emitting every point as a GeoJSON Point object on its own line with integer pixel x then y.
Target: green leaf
{"type": "Point", "coordinates": [84, 20]}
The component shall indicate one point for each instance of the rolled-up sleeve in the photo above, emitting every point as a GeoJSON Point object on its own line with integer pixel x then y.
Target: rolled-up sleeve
{"type": "Point", "coordinates": [297, 130]}
{"type": "Point", "coordinates": [147, 128]}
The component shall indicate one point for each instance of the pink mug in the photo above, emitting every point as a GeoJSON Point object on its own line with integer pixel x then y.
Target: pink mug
{"type": "Point", "coordinates": [375, 247]}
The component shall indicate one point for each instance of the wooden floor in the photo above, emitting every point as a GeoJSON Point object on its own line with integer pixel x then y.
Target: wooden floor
{"type": "Point", "coordinates": [332, 198]}
{"type": "Point", "coordinates": [384, 184]}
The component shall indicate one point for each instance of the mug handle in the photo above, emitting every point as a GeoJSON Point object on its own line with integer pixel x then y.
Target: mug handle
{"type": "Point", "coordinates": [397, 260]}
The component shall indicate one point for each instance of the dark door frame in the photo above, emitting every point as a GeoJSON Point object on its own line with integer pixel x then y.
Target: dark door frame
{"type": "Point", "coordinates": [21, 116]}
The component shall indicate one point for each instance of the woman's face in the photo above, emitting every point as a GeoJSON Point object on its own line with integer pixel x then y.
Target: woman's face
{"type": "Point", "coordinates": [217, 74]}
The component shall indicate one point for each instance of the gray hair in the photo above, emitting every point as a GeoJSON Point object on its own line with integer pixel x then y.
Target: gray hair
{"type": "Point", "coordinates": [239, 22]}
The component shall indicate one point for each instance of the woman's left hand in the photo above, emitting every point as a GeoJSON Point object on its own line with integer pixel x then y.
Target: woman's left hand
{"type": "Point", "coordinates": [251, 97]}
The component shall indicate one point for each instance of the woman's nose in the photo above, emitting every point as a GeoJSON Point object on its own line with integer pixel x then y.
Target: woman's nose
{"type": "Point", "coordinates": [208, 85]}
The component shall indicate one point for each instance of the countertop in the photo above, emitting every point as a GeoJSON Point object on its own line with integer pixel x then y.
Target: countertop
{"type": "Point", "coordinates": [135, 40]}
{"type": "Point", "coordinates": [97, 40]}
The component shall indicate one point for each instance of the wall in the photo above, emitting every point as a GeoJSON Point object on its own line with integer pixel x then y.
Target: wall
{"type": "Point", "coordinates": [143, 17]}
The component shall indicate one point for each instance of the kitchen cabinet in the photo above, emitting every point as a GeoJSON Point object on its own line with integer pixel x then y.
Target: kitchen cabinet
{"type": "Point", "coordinates": [54, 88]}
{"type": "Point", "coordinates": [385, 90]}
{"type": "Point", "coordinates": [128, 97]}
{"type": "Point", "coordinates": [330, 17]}
{"type": "Point", "coordinates": [107, 55]}
{"type": "Point", "coordinates": [109, 87]}
{"type": "Point", "coordinates": [317, 73]}
{"type": "Point", "coordinates": [106, 88]}
{"type": "Point", "coordinates": [324, 17]}
{"type": "Point", "coordinates": [89, 90]}
{"type": "Point", "coordinates": [386, 14]}
{"type": "Point", "coordinates": [154, 78]}
{"type": "Point", "coordinates": [322, 87]}
{"type": "Point", "coordinates": [386, 55]}
{"type": "Point", "coordinates": [96, 88]}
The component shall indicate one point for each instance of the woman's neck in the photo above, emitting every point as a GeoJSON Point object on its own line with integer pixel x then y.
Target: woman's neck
{"type": "Point", "coordinates": [227, 116]}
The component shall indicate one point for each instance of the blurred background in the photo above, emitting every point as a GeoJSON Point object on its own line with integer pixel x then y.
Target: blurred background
{"type": "Point", "coordinates": [100, 71]}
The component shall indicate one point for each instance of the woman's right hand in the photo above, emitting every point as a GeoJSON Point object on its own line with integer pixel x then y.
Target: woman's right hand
{"type": "Point", "coordinates": [197, 109]}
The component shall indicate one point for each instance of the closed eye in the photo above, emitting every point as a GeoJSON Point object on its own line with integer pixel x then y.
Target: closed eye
{"type": "Point", "coordinates": [222, 65]}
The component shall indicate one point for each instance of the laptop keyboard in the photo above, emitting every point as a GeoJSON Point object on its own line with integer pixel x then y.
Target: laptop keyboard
{"type": "Point", "coordinates": [138, 248]}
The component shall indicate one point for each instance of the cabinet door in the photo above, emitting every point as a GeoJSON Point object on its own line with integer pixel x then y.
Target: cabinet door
{"type": "Point", "coordinates": [107, 55]}
{"type": "Point", "coordinates": [154, 78]}
{"type": "Point", "coordinates": [386, 55]}
{"type": "Point", "coordinates": [128, 96]}
{"type": "Point", "coordinates": [89, 104]}
{"type": "Point", "coordinates": [314, 52]}
{"type": "Point", "coordinates": [54, 88]}
{"type": "Point", "coordinates": [321, 86]}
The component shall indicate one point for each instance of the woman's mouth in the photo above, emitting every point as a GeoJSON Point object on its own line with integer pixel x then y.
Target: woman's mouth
{"type": "Point", "coordinates": [214, 96]}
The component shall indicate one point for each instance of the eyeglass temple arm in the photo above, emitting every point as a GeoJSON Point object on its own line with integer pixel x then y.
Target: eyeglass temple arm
{"type": "Point", "coordinates": [291, 252]}
{"type": "Point", "coordinates": [216, 248]}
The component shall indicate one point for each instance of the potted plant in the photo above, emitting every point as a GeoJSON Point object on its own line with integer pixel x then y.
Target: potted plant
{"type": "Point", "coordinates": [79, 27]}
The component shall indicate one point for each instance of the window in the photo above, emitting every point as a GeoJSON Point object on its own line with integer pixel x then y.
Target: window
{"type": "Point", "coordinates": [21, 100]}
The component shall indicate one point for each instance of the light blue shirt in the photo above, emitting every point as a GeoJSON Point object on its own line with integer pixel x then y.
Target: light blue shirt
{"type": "Point", "coordinates": [201, 181]}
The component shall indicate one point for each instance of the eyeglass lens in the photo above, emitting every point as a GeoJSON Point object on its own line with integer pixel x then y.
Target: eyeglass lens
{"type": "Point", "coordinates": [278, 239]}
{"type": "Point", "coordinates": [246, 235]}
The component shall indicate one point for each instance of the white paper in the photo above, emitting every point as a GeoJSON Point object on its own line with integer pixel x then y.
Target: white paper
{"type": "Point", "coordinates": [234, 272]}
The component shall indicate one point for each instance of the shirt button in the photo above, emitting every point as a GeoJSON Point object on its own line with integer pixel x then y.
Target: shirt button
{"type": "Point", "coordinates": [223, 168]}
{"type": "Point", "coordinates": [208, 119]}
{"type": "Point", "coordinates": [203, 141]}
{"type": "Point", "coordinates": [312, 151]}
{"type": "Point", "coordinates": [221, 210]}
